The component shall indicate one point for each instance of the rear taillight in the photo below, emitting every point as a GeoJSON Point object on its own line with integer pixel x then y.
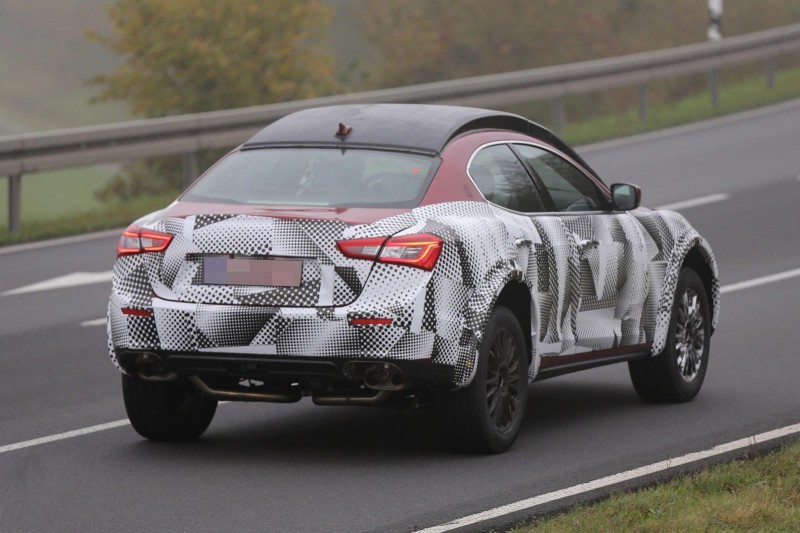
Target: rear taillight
{"type": "Point", "coordinates": [135, 241]}
{"type": "Point", "coordinates": [420, 251]}
{"type": "Point", "coordinates": [361, 248]}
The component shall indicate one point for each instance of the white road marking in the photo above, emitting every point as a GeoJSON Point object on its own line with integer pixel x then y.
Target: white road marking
{"type": "Point", "coordinates": [613, 479]}
{"type": "Point", "coordinates": [760, 281]}
{"type": "Point", "coordinates": [70, 434]}
{"type": "Point", "coordinates": [70, 280]}
{"type": "Point", "coordinates": [74, 239]}
{"type": "Point", "coordinates": [102, 427]}
{"type": "Point", "coordinates": [694, 202]}
{"type": "Point", "coordinates": [62, 436]}
{"type": "Point", "coordinates": [95, 322]}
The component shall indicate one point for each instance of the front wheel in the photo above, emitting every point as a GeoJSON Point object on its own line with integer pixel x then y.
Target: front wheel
{"type": "Point", "coordinates": [485, 416]}
{"type": "Point", "coordinates": [677, 374]}
{"type": "Point", "coordinates": [170, 410]}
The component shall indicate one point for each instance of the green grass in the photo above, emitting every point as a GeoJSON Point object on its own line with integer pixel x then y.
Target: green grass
{"type": "Point", "coordinates": [49, 195]}
{"type": "Point", "coordinates": [112, 215]}
{"type": "Point", "coordinates": [735, 97]}
{"type": "Point", "coordinates": [761, 494]}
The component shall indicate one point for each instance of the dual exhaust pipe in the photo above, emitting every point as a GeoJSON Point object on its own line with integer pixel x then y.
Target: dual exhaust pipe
{"type": "Point", "coordinates": [382, 377]}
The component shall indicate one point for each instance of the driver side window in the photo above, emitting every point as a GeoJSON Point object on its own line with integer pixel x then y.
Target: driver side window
{"type": "Point", "coordinates": [569, 188]}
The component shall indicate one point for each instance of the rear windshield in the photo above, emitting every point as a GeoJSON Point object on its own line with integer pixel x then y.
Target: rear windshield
{"type": "Point", "coordinates": [316, 177]}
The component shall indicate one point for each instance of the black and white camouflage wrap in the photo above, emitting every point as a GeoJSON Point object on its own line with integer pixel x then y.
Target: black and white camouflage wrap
{"type": "Point", "coordinates": [597, 281]}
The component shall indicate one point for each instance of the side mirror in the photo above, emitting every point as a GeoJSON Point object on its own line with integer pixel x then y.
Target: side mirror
{"type": "Point", "coordinates": [625, 196]}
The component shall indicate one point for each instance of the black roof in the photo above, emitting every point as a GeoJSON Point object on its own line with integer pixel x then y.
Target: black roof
{"type": "Point", "coordinates": [417, 127]}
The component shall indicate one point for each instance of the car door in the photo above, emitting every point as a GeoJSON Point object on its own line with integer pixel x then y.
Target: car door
{"type": "Point", "coordinates": [599, 254]}
{"type": "Point", "coordinates": [542, 243]}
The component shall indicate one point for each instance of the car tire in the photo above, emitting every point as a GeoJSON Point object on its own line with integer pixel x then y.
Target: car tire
{"type": "Point", "coordinates": [486, 415]}
{"type": "Point", "coordinates": [677, 374]}
{"type": "Point", "coordinates": [167, 411]}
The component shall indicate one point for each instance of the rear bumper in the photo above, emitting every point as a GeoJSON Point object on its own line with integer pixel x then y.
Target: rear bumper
{"type": "Point", "coordinates": [313, 345]}
{"type": "Point", "coordinates": [177, 327]}
{"type": "Point", "coordinates": [311, 373]}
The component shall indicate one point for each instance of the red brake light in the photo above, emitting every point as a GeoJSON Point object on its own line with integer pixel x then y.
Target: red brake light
{"type": "Point", "coordinates": [154, 241]}
{"type": "Point", "coordinates": [129, 241]}
{"type": "Point", "coordinates": [361, 248]}
{"type": "Point", "coordinates": [420, 251]}
{"type": "Point", "coordinates": [371, 321]}
{"type": "Point", "coordinates": [136, 241]}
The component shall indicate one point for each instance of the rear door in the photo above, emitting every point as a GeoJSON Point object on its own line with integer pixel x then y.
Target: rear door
{"type": "Point", "coordinates": [603, 251]}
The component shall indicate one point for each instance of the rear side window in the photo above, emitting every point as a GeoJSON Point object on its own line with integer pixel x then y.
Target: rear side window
{"type": "Point", "coordinates": [569, 188]}
{"type": "Point", "coordinates": [316, 177]}
{"type": "Point", "coordinates": [503, 180]}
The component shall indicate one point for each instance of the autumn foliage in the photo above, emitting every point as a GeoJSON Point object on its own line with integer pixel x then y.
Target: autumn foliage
{"type": "Point", "coordinates": [200, 55]}
{"type": "Point", "coordinates": [189, 56]}
{"type": "Point", "coordinates": [185, 56]}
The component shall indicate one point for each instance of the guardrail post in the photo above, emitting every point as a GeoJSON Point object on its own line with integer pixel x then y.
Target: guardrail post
{"type": "Point", "coordinates": [713, 87]}
{"type": "Point", "coordinates": [189, 168]}
{"type": "Point", "coordinates": [771, 72]}
{"type": "Point", "coordinates": [14, 202]}
{"type": "Point", "coordinates": [643, 101]}
{"type": "Point", "coordinates": [557, 105]}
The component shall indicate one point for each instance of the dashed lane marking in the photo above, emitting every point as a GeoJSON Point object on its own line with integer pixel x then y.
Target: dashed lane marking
{"type": "Point", "coordinates": [118, 423]}
{"type": "Point", "coordinates": [93, 323]}
{"type": "Point", "coordinates": [694, 202]}
{"type": "Point", "coordinates": [61, 282]}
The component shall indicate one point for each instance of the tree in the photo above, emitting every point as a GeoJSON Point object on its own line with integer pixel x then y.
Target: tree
{"type": "Point", "coordinates": [428, 40]}
{"type": "Point", "coordinates": [186, 56]}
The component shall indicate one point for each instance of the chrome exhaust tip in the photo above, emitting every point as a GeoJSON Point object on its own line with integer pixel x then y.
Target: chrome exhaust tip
{"type": "Point", "coordinates": [384, 377]}
{"type": "Point", "coordinates": [150, 367]}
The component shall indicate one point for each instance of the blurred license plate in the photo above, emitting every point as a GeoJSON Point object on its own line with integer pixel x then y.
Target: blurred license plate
{"type": "Point", "coordinates": [264, 272]}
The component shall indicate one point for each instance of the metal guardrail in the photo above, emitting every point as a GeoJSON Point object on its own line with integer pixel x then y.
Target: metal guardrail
{"type": "Point", "coordinates": [186, 134]}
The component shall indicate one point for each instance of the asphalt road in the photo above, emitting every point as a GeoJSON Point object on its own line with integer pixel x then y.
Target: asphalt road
{"type": "Point", "coordinates": [263, 467]}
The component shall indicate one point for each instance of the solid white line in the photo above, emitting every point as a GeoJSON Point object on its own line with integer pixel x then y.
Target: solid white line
{"type": "Point", "coordinates": [760, 281]}
{"type": "Point", "coordinates": [70, 280]}
{"type": "Point", "coordinates": [95, 322]}
{"type": "Point", "coordinates": [613, 479]}
{"type": "Point", "coordinates": [62, 436]}
{"type": "Point", "coordinates": [694, 202]}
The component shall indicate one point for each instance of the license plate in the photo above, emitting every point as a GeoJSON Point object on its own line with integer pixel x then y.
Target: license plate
{"type": "Point", "coordinates": [262, 272]}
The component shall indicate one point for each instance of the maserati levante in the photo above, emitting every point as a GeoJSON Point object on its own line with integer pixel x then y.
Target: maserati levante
{"type": "Point", "coordinates": [388, 253]}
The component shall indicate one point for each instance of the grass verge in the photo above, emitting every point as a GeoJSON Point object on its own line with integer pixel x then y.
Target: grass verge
{"type": "Point", "coordinates": [736, 97]}
{"type": "Point", "coordinates": [109, 216]}
{"type": "Point", "coordinates": [61, 203]}
{"type": "Point", "coordinates": [56, 194]}
{"type": "Point", "coordinates": [761, 494]}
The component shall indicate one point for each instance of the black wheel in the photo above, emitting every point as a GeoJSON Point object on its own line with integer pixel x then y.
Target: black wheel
{"type": "Point", "coordinates": [169, 410]}
{"type": "Point", "coordinates": [677, 374]}
{"type": "Point", "coordinates": [485, 416]}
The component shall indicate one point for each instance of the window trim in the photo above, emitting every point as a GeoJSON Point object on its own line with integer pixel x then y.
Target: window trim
{"type": "Point", "coordinates": [604, 192]}
{"type": "Point", "coordinates": [546, 201]}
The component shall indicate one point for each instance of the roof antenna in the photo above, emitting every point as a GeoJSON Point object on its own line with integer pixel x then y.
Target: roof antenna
{"type": "Point", "coordinates": [343, 131]}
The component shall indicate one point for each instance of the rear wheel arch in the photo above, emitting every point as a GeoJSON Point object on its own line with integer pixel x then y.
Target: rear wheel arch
{"type": "Point", "coordinates": [516, 297]}
{"type": "Point", "coordinates": [501, 288]}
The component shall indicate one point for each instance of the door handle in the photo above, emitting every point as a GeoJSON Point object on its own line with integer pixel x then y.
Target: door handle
{"type": "Point", "coordinates": [523, 242]}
